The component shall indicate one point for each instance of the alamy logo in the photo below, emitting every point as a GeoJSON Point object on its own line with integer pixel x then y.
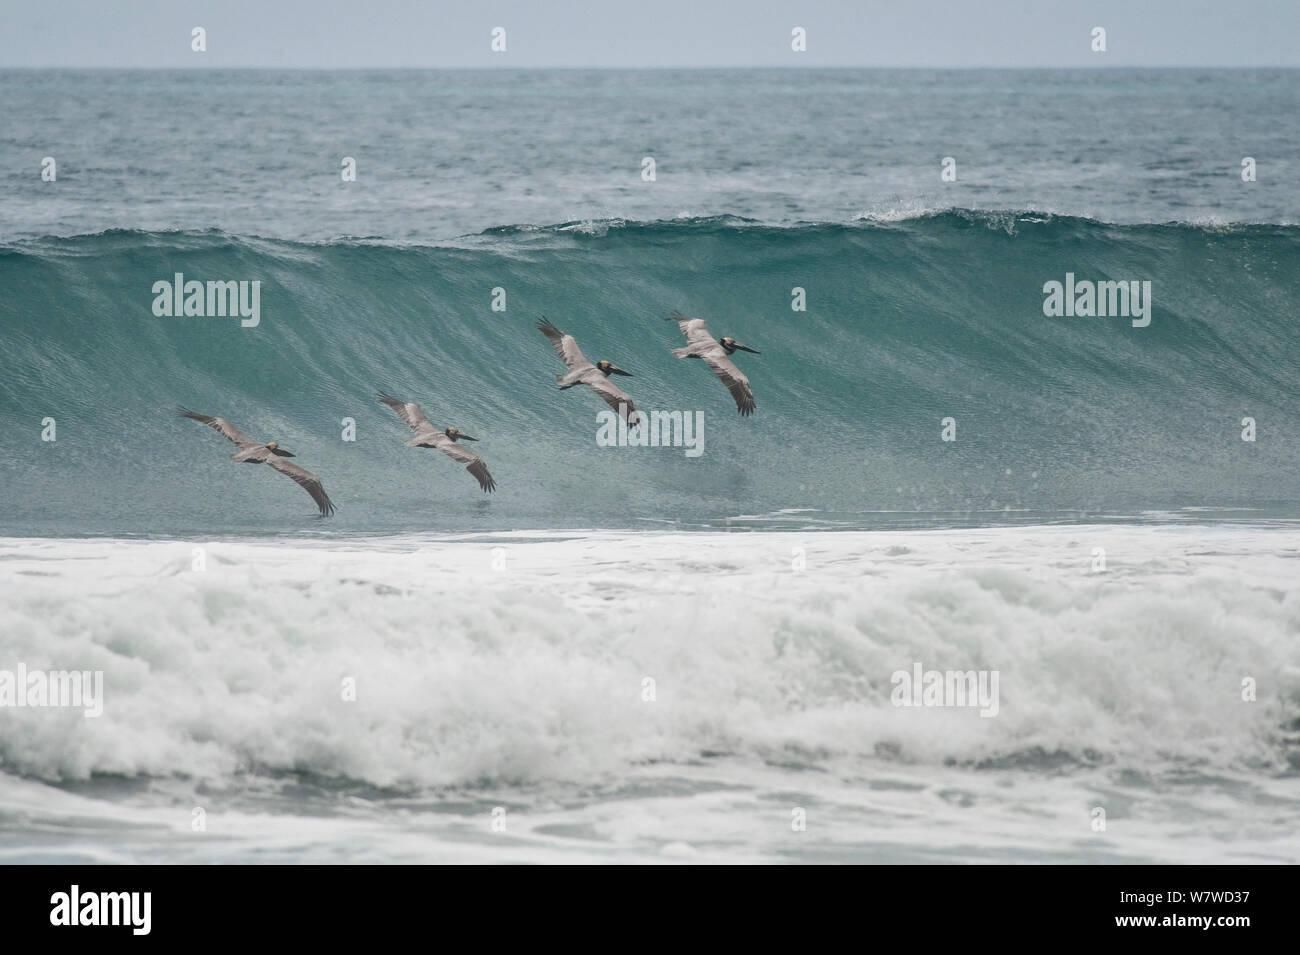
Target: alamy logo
{"type": "Point", "coordinates": [63, 688]}
{"type": "Point", "coordinates": [1086, 299]}
{"type": "Point", "coordinates": [103, 908]}
{"type": "Point", "coordinates": [208, 299]}
{"type": "Point", "coordinates": [652, 429]}
{"type": "Point", "coordinates": [946, 688]}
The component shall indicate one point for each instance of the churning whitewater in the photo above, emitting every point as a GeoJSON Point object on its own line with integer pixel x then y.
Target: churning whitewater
{"type": "Point", "coordinates": [529, 688]}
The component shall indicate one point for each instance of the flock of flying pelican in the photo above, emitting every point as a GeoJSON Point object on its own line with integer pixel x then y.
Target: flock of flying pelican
{"type": "Point", "coordinates": [699, 344]}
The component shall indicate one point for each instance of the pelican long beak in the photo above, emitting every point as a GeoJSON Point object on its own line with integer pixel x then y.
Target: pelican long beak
{"type": "Point", "coordinates": [754, 351]}
{"type": "Point", "coordinates": [461, 435]}
{"type": "Point", "coordinates": [615, 370]}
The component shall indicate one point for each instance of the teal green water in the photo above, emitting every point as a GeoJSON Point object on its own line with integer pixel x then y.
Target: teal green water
{"type": "Point", "coordinates": [445, 153]}
{"type": "Point", "coordinates": [907, 323]}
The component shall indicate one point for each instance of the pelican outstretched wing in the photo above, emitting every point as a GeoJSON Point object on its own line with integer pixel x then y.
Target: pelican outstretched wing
{"type": "Point", "coordinates": [409, 412]}
{"type": "Point", "coordinates": [734, 379]}
{"type": "Point", "coordinates": [693, 328]}
{"type": "Point", "coordinates": [614, 396]}
{"type": "Point", "coordinates": [304, 479]}
{"type": "Point", "coordinates": [221, 426]}
{"type": "Point", "coordinates": [566, 346]}
{"type": "Point", "coordinates": [476, 466]}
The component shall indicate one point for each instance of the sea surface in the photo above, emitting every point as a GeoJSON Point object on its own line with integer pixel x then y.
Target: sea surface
{"type": "Point", "coordinates": [436, 674]}
{"type": "Point", "coordinates": [441, 154]}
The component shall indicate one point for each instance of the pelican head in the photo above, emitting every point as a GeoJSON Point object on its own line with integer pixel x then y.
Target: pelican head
{"type": "Point", "coordinates": [609, 368]}
{"type": "Point", "coordinates": [730, 344]}
{"type": "Point", "coordinates": [274, 448]}
{"type": "Point", "coordinates": [457, 435]}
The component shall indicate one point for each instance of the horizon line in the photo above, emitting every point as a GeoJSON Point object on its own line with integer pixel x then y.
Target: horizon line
{"type": "Point", "coordinates": [626, 69]}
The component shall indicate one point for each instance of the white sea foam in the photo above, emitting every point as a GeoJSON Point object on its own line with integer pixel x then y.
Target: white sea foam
{"type": "Point", "coordinates": [516, 663]}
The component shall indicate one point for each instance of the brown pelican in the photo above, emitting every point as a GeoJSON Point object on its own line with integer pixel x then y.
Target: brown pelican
{"type": "Point", "coordinates": [427, 436]}
{"type": "Point", "coordinates": [271, 453]}
{"type": "Point", "coordinates": [700, 344]}
{"type": "Point", "coordinates": [582, 371]}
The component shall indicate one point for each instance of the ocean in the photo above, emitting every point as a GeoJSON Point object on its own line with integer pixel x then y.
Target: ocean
{"type": "Point", "coordinates": [646, 654]}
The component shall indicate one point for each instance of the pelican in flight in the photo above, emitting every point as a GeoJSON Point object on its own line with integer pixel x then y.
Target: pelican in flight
{"type": "Point", "coordinates": [254, 452]}
{"type": "Point", "coordinates": [700, 344]}
{"type": "Point", "coordinates": [582, 371]}
{"type": "Point", "coordinates": [427, 436]}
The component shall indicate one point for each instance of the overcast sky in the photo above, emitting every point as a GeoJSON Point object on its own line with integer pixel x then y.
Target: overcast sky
{"type": "Point", "coordinates": [648, 33]}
